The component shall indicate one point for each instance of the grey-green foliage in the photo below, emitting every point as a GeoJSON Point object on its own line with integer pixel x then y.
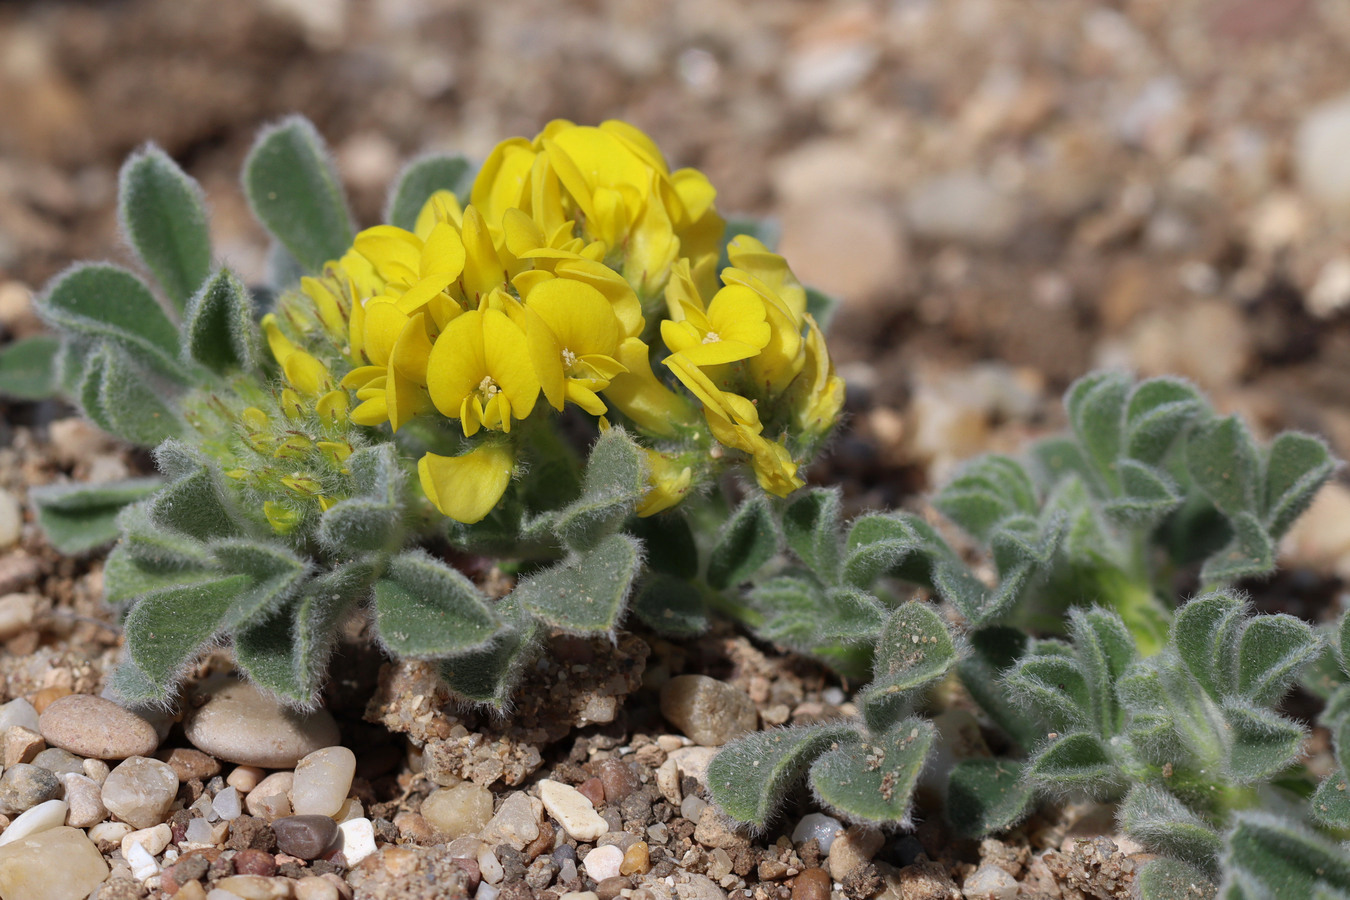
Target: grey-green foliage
{"type": "Point", "coordinates": [1331, 803]}
{"type": "Point", "coordinates": [423, 177]}
{"type": "Point", "coordinates": [78, 517]}
{"type": "Point", "coordinates": [1268, 857]}
{"type": "Point", "coordinates": [866, 769]}
{"type": "Point", "coordinates": [28, 368]}
{"type": "Point", "coordinates": [163, 215]}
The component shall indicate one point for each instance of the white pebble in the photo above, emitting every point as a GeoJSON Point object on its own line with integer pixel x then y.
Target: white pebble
{"type": "Point", "coordinates": [490, 866]}
{"type": "Point", "coordinates": [142, 864]}
{"type": "Point", "coordinates": [198, 832]}
{"type": "Point", "coordinates": [322, 780]}
{"type": "Point", "coordinates": [39, 818]}
{"type": "Point", "coordinates": [485, 892]}
{"type": "Point", "coordinates": [226, 804]}
{"type": "Point", "coordinates": [603, 862]}
{"type": "Point", "coordinates": [18, 712]}
{"type": "Point", "coordinates": [572, 810]}
{"type": "Point", "coordinates": [833, 695]}
{"type": "Point", "coordinates": [819, 826]}
{"type": "Point", "coordinates": [989, 882]}
{"type": "Point", "coordinates": [110, 832]}
{"type": "Point", "coordinates": [204, 808]}
{"type": "Point", "coordinates": [692, 807]}
{"type": "Point", "coordinates": [152, 840]}
{"type": "Point", "coordinates": [358, 839]}
{"type": "Point", "coordinates": [218, 894]}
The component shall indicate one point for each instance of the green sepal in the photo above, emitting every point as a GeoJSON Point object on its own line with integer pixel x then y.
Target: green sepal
{"type": "Point", "coordinates": [1163, 824]}
{"type": "Point", "coordinates": [1297, 465]}
{"type": "Point", "coordinates": [914, 650]}
{"type": "Point", "coordinates": [1172, 879]}
{"type": "Point", "coordinates": [1096, 407]}
{"type": "Point", "coordinates": [163, 215]}
{"type": "Point", "coordinates": [1223, 461]}
{"type": "Point", "coordinates": [1158, 411]}
{"type": "Point", "coordinates": [746, 542]}
{"type": "Point", "coordinates": [873, 778]}
{"type": "Point", "coordinates": [1267, 856]}
{"type": "Point", "coordinates": [985, 796]}
{"type": "Point", "coordinates": [98, 301]}
{"type": "Point", "coordinates": [586, 594]}
{"type": "Point", "coordinates": [28, 368]}
{"type": "Point", "coordinates": [811, 530]}
{"type": "Point", "coordinates": [614, 482]}
{"type": "Point", "coordinates": [1078, 761]}
{"type": "Point", "coordinates": [671, 606]}
{"type": "Point", "coordinates": [426, 610]}
{"type": "Point", "coordinates": [423, 177]}
{"type": "Point", "coordinates": [985, 492]}
{"type": "Point", "coordinates": [295, 193]}
{"type": "Point", "coordinates": [750, 777]}
{"type": "Point", "coordinates": [488, 676]}
{"type": "Point", "coordinates": [79, 517]}
{"type": "Point", "coordinates": [168, 627]}
{"type": "Point", "coordinates": [1330, 804]}
{"type": "Point", "coordinates": [669, 541]}
{"type": "Point", "coordinates": [219, 330]}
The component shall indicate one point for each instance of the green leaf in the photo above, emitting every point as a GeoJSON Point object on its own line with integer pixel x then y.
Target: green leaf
{"type": "Point", "coordinates": [133, 687]}
{"type": "Point", "coordinates": [194, 505]}
{"type": "Point", "coordinates": [799, 612]}
{"type": "Point", "coordinates": [986, 796]}
{"type": "Point", "coordinates": [1223, 462]}
{"type": "Point", "coordinates": [1158, 410]}
{"type": "Point", "coordinates": [79, 517]}
{"type": "Point", "coordinates": [1055, 688]}
{"type": "Point", "coordinates": [1096, 407]}
{"type": "Point", "coordinates": [163, 214]}
{"type": "Point", "coordinates": [219, 330]}
{"type": "Point", "coordinates": [671, 606]}
{"type": "Point", "coordinates": [586, 594]}
{"type": "Point", "coordinates": [985, 492]}
{"type": "Point", "coordinates": [873, 779]}
{"type": "Point", "coordinates": [1163, 824]}
{"type": "Point", "coordinates": [750, 777]}
{"type": "Point", "coordinates": [1261, 742]}
{"type": "Point", "coordinates": [1105, 649]}
{"type": "Point", "coordinates": [274, 571]}
{"type": "Point", "coordinates": [811, 529]}
{"type": "Point", "coordinates": [980, 605]}
{"type": "Point", "coordinates": [370, 521]}
{"type": "Point", "coordinates": [423, 177]}
{"type": "Point", "coordinates": [1057, 458]}
{"type": "Point", "coordinates": [28, 368]}
{"type": "Point", "coordinates": [1146, 495]}
{"type": "Point", "coordinates": [1271, 857]}
{"type": "Point", "coordinates": [131, 408]}
{"type": "Point", "coordinates": [1077, 761]}
{"type": "Point", "coordinates": [877, 544]}
{"type": "Point", "coordinates": [294, 191]}
{"type": "Point", "coordinates": [1297, 465]}
{"type": "Point", "coordinates": [746, 542]}
{"type": "Point", "coordinates": [426, 610]}
{"type": "Point", "coordinates": [1251, 552]}
{"type": "Point", "coordinates": [669, 542]}
{"type": "Point", "coordinates": [126, 578]}
{"type": "Point", "coordinates": [158, 548]}
{"type": "Point", "coordinates": [168, 627]}
{"type": "Point", "coordinates": [1330, 805]}
{"type": "Point", "coordinates": [1206, 633]}
{"type": "Point", "coordinates": [488, 676]}
{"type": "Point", "coordinates": [103, 302]}
{"type": "Point", "coordinates": [1172, 879]}
{"type": "Point", "coordinates": [992, 651]}
{"type": "Point", "coordinates": [914, 650]}
{"type": "Point", "coordinates": [1271, 653]}
{"type": "Point", "coordinates": [615, 481]}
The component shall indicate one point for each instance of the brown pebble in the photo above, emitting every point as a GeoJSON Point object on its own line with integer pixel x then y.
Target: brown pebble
{"type": "Point", "coordinates": [812, 884]}
{"type": "Point", "coordinates": [594, 791]}
{"type": "Point", "coordinates": [399, 861]}
{"type": "Point", "coordinates": [542, 844]}
{"type": "Point", "coordinates": [255, 862]}
{"type": "Point", "coordinates": [193, 890]}
{"type": "Point", "coordinates": [609, 888]}
{"type": "Point", "coordinates": [620, 780]}
{"type": "Point", "coordinates": [636, 860]}
{"type": "Point", "coordinates": [94, 727]}
{"type": "Point", "coordinates": [413, 827]}
{"type": "Point", "coordinates": [47, 696]}
{"type": "Point", "coordinates": [188, 764]}
{"type": "Point", "coordinates": [21, 745]}
{"type": "Point", "coordinates": [470, 868]}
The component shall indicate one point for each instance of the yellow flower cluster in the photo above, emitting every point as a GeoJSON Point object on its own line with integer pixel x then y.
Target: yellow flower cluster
{"type": "Point", "coordinates": [540, 292]}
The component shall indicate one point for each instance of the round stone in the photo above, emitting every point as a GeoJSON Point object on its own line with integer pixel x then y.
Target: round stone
{"type": "Point", "coordinates": [92, 726]}
{"type": "Point", "coordinates": [271, 799]}
{"type": "Point", "coordinates": [241, 724]}
{"type": "Point", "coordinates": [812, 884]}
{"type": "Point", "coordinates": [85, 799]}
{"type": "Point", "coordinates": [304, 837]}
{"type": "Point", "coordinates": [140, 791]}
{"type": "Point", "coordinates": [24, 786]}
{"type": "Point", "coordinates": [620, 780]}
{"type": "Point", "coordinates": [459, 810]}
{"type": "Point", "coordinates": [188, 763]}
{"type": "Point", "coordinates": [322, 780]}
{"type": "Point", "coordinates": [59, 762]}
{"type": "Point", "coordinates": [603, 862]}
{"type": "Point", "coordinates": [708, 710]}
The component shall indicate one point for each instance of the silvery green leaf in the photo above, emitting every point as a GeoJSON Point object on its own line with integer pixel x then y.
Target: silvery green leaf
{"type": "Point", "coordinates": [811, 529]}
{"type": "Point", "coordinates": [873, 778]}
{"type": "Point", "coordinates": [80, 516]}
{"type": "Point", "coordinates": [1158, 411]}
{"type": "Point", "coordinates": [426, 610]}
{"type": "Point", "coordinates": [1078, 762]}
{"type": "Point", "coordinates": [671, 606]}
{"type": "Point", "coordinates": [914, 650]}
{"type": "Point", "coordinates": [746, 542]}
{"type": "Point", "coordinates": [1297, 465]}
{"type": "Point", "coordinates": [986, 796]}
{"type": "Point", "coordinates": [1222, 459]}
{"type": "Point", "coordinates": [614, 482]}
{"type": "Point", "coordinates": [1096, 407]}
{"type": "Point", "coordinates": [751, 777]}
{"type": "Point", "coordinates": [28, 368]}
{"type": "Point", "coordinates": [1163, 824]}
{"type": "Point", "coordinates": [585, 594]}
{"type": "Point", "coordinates": [219, 331]}
{"type": "Point", "coordinates": [423, 177]}
{"type": "Point", "coordinates": [163, 215]}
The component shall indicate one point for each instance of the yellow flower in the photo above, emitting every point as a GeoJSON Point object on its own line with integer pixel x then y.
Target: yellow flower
{"type": "Point", "coordinates": [733, 328]}
{"type": "Point", "coordinates": [479, 371]}
{"type": "Point", "coordinates": [302, 371]}
{"type": "Point", "coordinates": [667, 483]}
{"type": "Point", "coordinates": [821, 396]}
{"type": "Point", "coordinates": [574, 350]}
{"type": "Point", "coordinates": [643, 398]}
{"type": "Point", "coordinates": [467, 487]}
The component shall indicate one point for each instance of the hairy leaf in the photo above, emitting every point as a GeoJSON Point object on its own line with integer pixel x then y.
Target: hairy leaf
{"type": "Point", "coordinates": [669, 542]}
{"type": "Point", "coordinates": [425, 610]}
{"type": "Point", "coordinates": [1172, 879]}
{"type": "Point", "coordinates": [985, 796]}
{"type": "Point", "coordinates": [615, 481]}
{"type": "Point", "coordinates": [750, 777]}
{"type": "Point", "coordinates": [79, 517]}
{"type": "Point", "coordinates": [1158, 410]}
{"type": "Point", "coordinates": [28, 368]}
{"type": "Point", "coordinates": [372, 519]}
{"type": "Point", "coordinates": [811, 529]}
{"type": "Point", "coordinates": [878, 544]}
{"type": "Point", "coordinates": [1330, 805]}
{"type": "Point", "coordinates": [218, 327]}
{"type": "Point", "coordinates": [585, 595]}
{"type": "Point", "coordinates": [488, 676]}
{"type": "Point", "coordinates": [915, 650]}
{"type": "Point", "coordinates": [163, 214]}
{"type": "Point", "coordinates": [1163, 824]}
{"type": "Point", "coordinates": [130, 407]}
{"type": "Point", "coordinates": [1077, 761]}
{"type": "Point", "coordinates": [1251, 552]}
{"type": "Point", "coordinates": [1272, 651]}
{"type": "Point", "coordinates": [1263, 743]}
{"type": "Point", "coordinates": [423, 177]}
{"type": "Point", "coordinates": [1096, 406]}
{"type": "Point", "coordinates": [747, 541]}
{"type": "Point", "coordinates": [168, 627]}
{"type": "Point", "coordinates": [1297, 465]}
{"type": "Point", "coordinates": [1105, 649]}
{"type": "Point", "coordinates": [1222, 459]}
{"type": "Point", "coordinates": [873, 779]}
{"type": "Point", "coordinates": [1269, 857]}
{"type": "Point", "coordinates": [195, 506]}
{"type": "Point", "coordinates": [671, 606]}
{"type": "Point", "coordinates": [1055, 689]}
{"type": "Point", "coordinates": [274, 571]}
{"type": "Point", "coordinates": [985, 492]}
{"type": "Point", "coordinates": [1206, 634]}
{"type": "Point", "coordinates": [1146, 495]}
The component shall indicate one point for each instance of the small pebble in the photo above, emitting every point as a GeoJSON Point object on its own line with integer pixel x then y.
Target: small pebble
{"type": "Point", "coordinates": [47, 696]}
{"type": "Point", "coordinates": [21, 745]}
{"type": "Point", "coordinates": [456, 811]}
{"type": "Point", "coordinates": [516, 821]}
{"type": "Point", "coordinates": [59, 762]}
{"type": "Point", "coordinates": [636, 860]}
{"type": "Point", "coordinates": [199, 832]}
{"type": "Point", "coordinates": [255, 862]}
{"type": "Point", "coordinates": [612, 887]}
{"type": "Point", "coordinates": [40, 818]}
{"type": "Point", "coordinates": [855, 847]}
{"type": "Point", "coordinates": [271, 798]}
{"type": "Point", "coordinates": [620, 780]}
{"type": "Point", "coordinates": [485, 892]}
{"type": "Point", "coordinates": [989, 882]}
{"type": "Point", "coordinates": [242, 724]}
{"type": "Point", "coordinates": [312, 887]}
{"type": "Point", "coordinates": [24, 786]}
{"type": "Point", "coordinates": [110, 833]}
{"type": "Point", "coordinates": [489, 867]}
{"type": "Point", "coordinates": [97, 770]}
{"type": "Point", "coordinates": [603, 862]}
{"type": "Point", "coordinates": [812, 884]}
{"type": "Point", "coordinates": [16, 614]}
{"type": "Point", "coordinates": [414, 828]}
{"type": "Point", "coordinates": [226, 804]}
{"type": "Point", "coordinates": [221, 894]}
{"type": "Point", "coordinates": [18, 712]}
{"type": "Point", "coordinates": [593, 790]}
{"type": "Point", "coordinates": [305, 837]}
{"type": "Point", "coordinates": [244, 778]}
{"type": "Point", "coordinates": [322, 781]}
{"type": "Point", "coordinates": [94, 727]}
{"type": "Point", "coordinates": [85, 799]}
{"type": "Point", "coordinates": [819, 826]}
{"type": "Point", "coordinates": [59, 862]}
{"type": "Point", "coordinates": [188, 763]}
{"type": "Point", "coordinates": [571, 810]}
{"type": "Point", "coordinates": [255, 887]}
{"type": "Point", "coordinates": [358, 840]}
{"type": "Point", "coordinates": [707, 710]}
{"type": "Point", "coordinates": [140, 791]}
{"type": "Point", "coordinates": [154, 840]}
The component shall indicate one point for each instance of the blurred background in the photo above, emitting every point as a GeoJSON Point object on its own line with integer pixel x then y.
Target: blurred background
{"type": "Point", "coordinates": [1005, 193]}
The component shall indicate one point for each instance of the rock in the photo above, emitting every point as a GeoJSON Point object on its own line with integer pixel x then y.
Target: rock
{"type": "Point", "coordinates": [111, 833]}
{"type": "Point", "coordinates": [707, 710]}
{"type": "Point", "coordinates": [692, 807]}
{"type": "Point", "coordinates": [322, 780]}
{"type": "Point", "coordinates": [40, 818]}
{"type": "Point", "coordinates": [1320, 538]}
{"type": "Point", "coordinates": [819, 826]}
{"type": "Point", "coordinates": [96, 769]}
{"type": "Point", "coordinates": [715, 829]}
{"type": "Point", "coordinates": [697, 887]}
{"type": "Point", "coordinates": [18, 712]}
{"type": "Point", "coordinates": [47, 696]}
{"type": "Point", "coordinates": [140, 791]}
{"type": "Point", "coordinates": [961, 206]}
{"type": "Point", "coordinates": [456, 811]}
{"type": "Point", "coordinates": [255, 862]}
{"type": "Point", "coordinates": [92, 726]}
{"type": "Point", "coordinates": [620, 779]}
{"type": "Point", "coordinates": [84, 796]}
{"type": "Point", "coordinates": [152, 840]}
{"type": "Point", "coordinates": [516, 822]}
{"type": "Point", "coordinates": [593, 790]}
{"type": "Point", "coordinates": [1331, 291]}
{"type": "Point", "coordinates": [570, 809]}
{"type": "Point", "coordinates": [920, 881]}
{"type": "Point", "coordinates": [271, 798]}
{"type": "Point", "coordinates": [24, 786]}
{"type": "Point", "coordinates": [305, 837]}
{"type": "Point", "coordinates": [11, 520]}
{"type": "Point", "coordinates": [59, 762]}
{"type": "Point", "coordinates": [489, 867]}
{"type": "Point", "coordinates": [692, 762]}
{"type": "Point", "coordinates": [253, 887]}
{"type": "Point", "coordinates": [244, 778]}
{"type": "Point", "coordinates": [188, 763]}
{"type": "Point", "coordinates": [313, 888]}
{"type": "Point", "coordinates": [1322, 154]}
{"type": "Point", "coordinates": [241, 724]}
{"type": "Point", "coordinates": [989, 882]}
{"type": "Point", "coordinates": [226, 804]}
{"type": "Point", "coordinates": [603, 862]}
{"type": "Point", "coordinates": [57, 864]}
{"type": "Point", "coordinates": [855, 847]}
{"type": "Point", "coordinates": [16, 613]}
{"type": "Point", "coordinates": [854, 249]}
{"type": "Point", "coordinates": [636, 860]}
{"type": "Point", "coordinates": [21, 745]}
{"type": "Point", "coordinates": [812, 884]}
{"type": "Point", "coordinates": [358, 839]}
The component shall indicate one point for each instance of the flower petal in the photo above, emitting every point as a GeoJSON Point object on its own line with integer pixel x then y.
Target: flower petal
{"type": "Point", "coordinates": [467, 487]}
